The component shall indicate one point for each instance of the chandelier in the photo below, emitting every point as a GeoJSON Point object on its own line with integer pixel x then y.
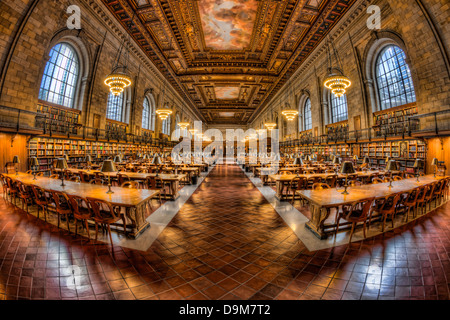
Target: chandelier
{"type": "Point", "coordinates": [270, 125]}
{"type": "Point", "coordinates": [117, 81]}
{"type": "Point", "coordinates": [183, 125]}
{"type": "Point", "coordinates": [163, 113]}
{"type": "Point", "coordinates": [336, 81]}
{"type": "Point", "coordinates": [192, 131]}
{"type": "Point", "coordinates": [290, 114]}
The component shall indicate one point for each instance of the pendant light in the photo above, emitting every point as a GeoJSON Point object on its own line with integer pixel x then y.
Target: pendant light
{"type": "Point", "coordinates": [336, 81]}
{"type": "Point", "coordinates": [119, 79]}
{"type": "Point", "coordinates": [163, 112]}
{"type": "Point", "coordinates": [183, 125]}
{"type": "Point", "coordinates": [289, 113]}
{"type": "Point", "coordinates": [270, 125]}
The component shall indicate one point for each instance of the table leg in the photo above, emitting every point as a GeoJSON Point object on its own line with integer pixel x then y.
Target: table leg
{"type": "Point", "coordinates": [318, 217]}
{"type": "Point", "coordinates": [137, 215]}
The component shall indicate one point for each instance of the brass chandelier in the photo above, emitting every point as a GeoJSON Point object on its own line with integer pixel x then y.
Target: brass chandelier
{"type": "Point", "coordinates": [289, 113]}
{"type": "Point", "coordinates": [336, 81]}
{"type": "Point", "coordinates": [163, 112]}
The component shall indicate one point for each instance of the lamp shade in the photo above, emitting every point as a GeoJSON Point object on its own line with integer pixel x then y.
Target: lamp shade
{"type": "Point", "coordinates": [16, 159]}
{"type": "Point", "coordinates": [347, 168]}
{"type": "Point", "coordinates": [108, 166]}
{"type": "Point", "coordinates": [61, 163]}
{"type": "Point", "coordinates": [156, 160]}
{"type": "Point", "coordinates": [417, 163]}
{"type": "Point", "coordinates": [117, 159]}
{"type": "Point", "coordinates": [355, 157]}
{"type": "Point", "coordinates": [336, 160]}
{"type": "Point", "coordinates": [392, 165]}
{"type": "Point", "coordinates": [366, 160]}
{"type": "Point", "coordinates": [308, 158]}
{"type": "Point", "coordinates": [434, 162]}
{"type": "Point", "coordinates": [66, 157]}
{"type": "Point", "coordinates": [34, 162]}
{"type": "Point", "coordinates": [88, 158]}
{"type": "Point", "coordinates": [298, 161]}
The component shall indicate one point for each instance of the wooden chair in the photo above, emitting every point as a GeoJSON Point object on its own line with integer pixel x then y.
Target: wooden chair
{"type": "Point", "coordinates": [130, 184]}
{"type": "Point", "coordinates": [13, 191]}
{"type": "Point", "coordinates": [4, 186]}
{"type": "Point", "coordinates": [25, 194]}
{"type": "Point", "coordinates": [100, 175]}
{"type": "Point", "coordinates": [331, 180]}
{"type": "Point", "coordinates": [151, 183]}
{"type": "Point", "coordinates": [356, 212]}
{"type": "Point", "coordinates": [409, 176]}
{"type": "Point", "coordinates": [320, 186]}
{"type": "Point", "coordinates": [397, 178]}
{"type": "Point", "coordinates": [81, 212]}
{"type": "Point", "coordinates": [297, 183]}
{"type": "Point", "coordinates": [29, 172]}
{"type": "Point", "coordinates": [377, 180]}
{"type": "Point", "coordinates": [54, 176]}
{"type": "Point", "coordinates": [429, 195]}
{"type": "Point", "coordinates": [389, 208]}
{"type": "Point", "coordinates": [75, 178]}
{"type": "Point", "coordinates": [97, 181]}
{"type": "Point", "coordinates": [411, 203]}
{"type": "Point", "coordinates": [439, 192]}
{"type": "Point", "coordinates": [40, 174]}
{"type": "Point", "coordinates": [313, 180]}
{"type": "Point", "coordinates": [121, 178]}
{"type": "Point", "coordinates": [354, 183]}
{"type": "Point", "coordinates": [63, 207]}
{"type": "Point", "coordinates": [84, 177]}
{"type": "Point", "coordinates": [421, 202]}
{"type": "Point", "coordinates": [40, 199]}
{"type": "Point", "coordinates": [104, 214]}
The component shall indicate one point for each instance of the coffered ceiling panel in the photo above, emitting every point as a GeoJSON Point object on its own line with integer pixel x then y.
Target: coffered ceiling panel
{"type": "Point", "coordinates": [228, 57]}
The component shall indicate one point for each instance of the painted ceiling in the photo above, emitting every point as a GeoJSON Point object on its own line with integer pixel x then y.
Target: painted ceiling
{"type": "Point", "coordinates": [228, 57]}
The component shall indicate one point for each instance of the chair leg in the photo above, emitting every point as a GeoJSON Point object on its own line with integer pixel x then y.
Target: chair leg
{"type": "Point", "coordinates": [96, 230]}
{"type": "Point", "coordinates": [67, 220]}
{"type": "Point", "coordinates": [351, 232]}
{"type": "Point", "coordinates": [110, 237]}
{"type": "Point", "coordinates": [87, 229]}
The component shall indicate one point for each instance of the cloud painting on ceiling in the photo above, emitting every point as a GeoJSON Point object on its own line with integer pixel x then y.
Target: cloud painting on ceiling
{"type": "Point", "coordinates": [227, 25]}
{"type": "Point", "coordinates": [224, 93]}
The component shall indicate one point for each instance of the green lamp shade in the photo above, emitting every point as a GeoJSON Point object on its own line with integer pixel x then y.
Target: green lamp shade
{"type": "Point", "coordinates": [156, 160]}
{"type": "Point", "coordinates": [16, 159]}
{"type": "Point", "coordinates": [117, 159]}
{"type": "Point", "coordinates": [108, 166]}
{"type": "Point", "coordinates": [34, 162]}
{"type": "Point", "coordinates": [347, 168]}
{"type": "Point", "coordinates": [298, 161]}
{"type": "Point", "coordinates": [88, 158]}
{"type": "Point", "coordinates": [434, 162]}
{"type": "Point", "coordinates": [392, 165]}
{"type": "Point", "coordinates": [61, 163]}
{"type": "Point", "coordinates": [366, 160]}
{"type": "Point", "coordinates": [336, 160]}
{"type": "Point", "coordinates": [66, 157]}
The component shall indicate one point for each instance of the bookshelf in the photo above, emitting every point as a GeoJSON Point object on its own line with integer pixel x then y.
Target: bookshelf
{"type": "Point", "coordinates": [47, 149]}
{"type": "Point", "coordinates": [395, 120]}
{"type": "Point", "coordinates": [58, 118]}
{"type": "Point", "coordinates": [337, 131]}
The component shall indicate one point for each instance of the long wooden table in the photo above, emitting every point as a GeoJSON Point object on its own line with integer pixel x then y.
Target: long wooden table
{"type": "Point", "coordinates": [171, 179]}
{"type": "Point", "coordinates": [282, 179]}
{"type": "Point", "coordinates": [322, 200]}
{"type": "Point", "coordinates": [135, 201]}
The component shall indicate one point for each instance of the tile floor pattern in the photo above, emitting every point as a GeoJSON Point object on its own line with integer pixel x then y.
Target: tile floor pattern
{"type": "Point", "coordinates": [227, 242]}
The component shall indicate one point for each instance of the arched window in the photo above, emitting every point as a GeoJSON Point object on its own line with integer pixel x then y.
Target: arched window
{"type": "Point", "coordinates": [338, 108]}
{"type": "Point", "coordinates": [148, 114]}
{"type": "Point", "coordinates": [394, 82]}
{"type": "Point", "coordinates": [307, 119]}
{"type": "Point", "coordinates": [115, 107]}
{"type": "Point", "coordinates": [60, 79]}
{"type": "Point", "coordinates": [166, 126]}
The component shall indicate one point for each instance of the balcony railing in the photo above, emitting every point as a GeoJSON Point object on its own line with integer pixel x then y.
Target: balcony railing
{"type": "Point", "coordinates": [18, 120]}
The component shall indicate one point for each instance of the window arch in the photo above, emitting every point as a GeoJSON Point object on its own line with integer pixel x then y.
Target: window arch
{"type": "Point", "coordinates": [307, 117]}
{"type": "Point", "coordinates": [166, 126]}
{"type": "Point", "coordinates": [60, 80]}
{"type": "Point", "coordinates": [393, 78]}
{"type": "Point", "coordinates": [115, 109]}
{"type": "Point", "coordinates": [148, 113]}
{"type": "Point", "coordinates": [338, 108]}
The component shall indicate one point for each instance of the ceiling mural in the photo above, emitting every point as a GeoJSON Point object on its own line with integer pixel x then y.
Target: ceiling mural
{"type": "Point", "coordinates": [228, 57]}
{"type": "Point", "coordinates": [227, 25]}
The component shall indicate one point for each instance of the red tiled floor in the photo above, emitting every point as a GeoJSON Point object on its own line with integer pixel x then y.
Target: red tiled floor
{"type": "Point", "coordinates": [227, 242]}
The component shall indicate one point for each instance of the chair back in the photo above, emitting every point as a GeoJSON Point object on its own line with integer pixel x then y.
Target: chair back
{"type": "Point", "coordinates": [391, 201]}
{"type": "Point", "coordinates": [61, 200]}
{"type": "Point", "coordinates": [11, 184]}
{"type": "Point", "coordinates": [75, 178]}
{"type": "Point", "coordinates": [98, 181]}
{"type": "Point", "coordinates": [54, 176]}
{"type": "Point", "coordinates": [151, 183]}
{"type": "Point", "coordinates": [78, 203]}
{"type": "Point", "coordinates": [320, 186]}
{"type": "Point", "coordinates": [100, 175]}
{"type": "Point", "coordinates": [39, 195]}
{"type": "Point", "coordinates": [122, 178]}
{"type": "Point", "coordinates": [40, 174]}
{"type": "Point", "coordinates": [360, 210]}
{"type": "Point", "coordinates": [130, 184]}
{"type": "Point", "coordinates": [102, 210]}
{"type": "Point", "coordinates": [331, 181]}
{"type": "Point", "coordinates": [397, 178]}
{"type": "Point", "coordinates": [377, 180]}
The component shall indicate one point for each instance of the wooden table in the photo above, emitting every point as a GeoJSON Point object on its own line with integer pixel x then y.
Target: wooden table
{"type": "Point", "coordinates": [282, 179]}
{"type": "Point", "coordinates": [172, 179]}
{"type": "Point", "coordinates": [322, 200]}
{"type": "Point", "coordinates": [135, 201]}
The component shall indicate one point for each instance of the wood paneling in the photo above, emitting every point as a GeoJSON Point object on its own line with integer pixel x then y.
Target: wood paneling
{"type": "Point", "coordinates": [438, 148]}
{"type": "Point", "coordinates": [11, 145]}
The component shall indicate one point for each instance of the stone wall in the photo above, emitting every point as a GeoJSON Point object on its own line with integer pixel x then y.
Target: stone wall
{"type": "Point", "coordinates": [30, 28]}
{"type": "Point", "coordinates": [403, 23]}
